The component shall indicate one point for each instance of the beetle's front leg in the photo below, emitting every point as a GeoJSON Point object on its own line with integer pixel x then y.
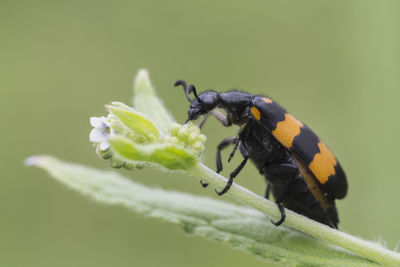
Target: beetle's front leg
{"type": "Point", "coordinates": [218, 115]}
{"type": "Point", "coordinates": [221, 117]}
{"type": "Point", "coordinates": [203, 120]}
{"type": "Point", "coordinates": [224, 143]}
{"type": "Point", "coordinates": [246, 156]}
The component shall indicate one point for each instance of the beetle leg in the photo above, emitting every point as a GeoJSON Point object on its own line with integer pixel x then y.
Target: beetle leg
{"type": "Point", "coordinates": [267, 192]}
{"type": "Point", "coordinates": [281, 176]}
{"type": "Point", "coordinates": [283, 215]}
{"type": "Point", "coordinates": [233, 175]}
{"type": "Point", "coordinates": [226, 142]}
{"type": "Point", "coordinates": [204, 185]}
{"type": "Point", "coordinates": [221, 117]}
{"type": "Point", "coordinates": [203, 120]}
{"type": "Point", "coordinates": [278, 201]}
{"type": "Point", "coordinates": [228, 185]}
{"type": "Point", "coordinates": [234, 150]}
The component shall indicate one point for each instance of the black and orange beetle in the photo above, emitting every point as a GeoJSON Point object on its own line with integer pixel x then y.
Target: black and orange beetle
{"type": "Point", "coordinates": [301, 172]}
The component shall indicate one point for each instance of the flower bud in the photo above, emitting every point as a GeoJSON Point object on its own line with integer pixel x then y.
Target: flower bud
{"type": "Point", "coordinates": [129, 139]}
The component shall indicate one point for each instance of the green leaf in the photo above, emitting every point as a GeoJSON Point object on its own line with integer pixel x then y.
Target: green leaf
{"type": "Point", "coordinates": [146, 101]}
{"type": "Point", "coordinates": [166, 155]}
{"type": "Point", "coordinates": [135, 121]}
{"type": "Point", "coordinates": [241, 227]}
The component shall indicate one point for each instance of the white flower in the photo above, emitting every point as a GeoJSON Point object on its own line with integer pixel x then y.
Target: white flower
{"type": "Point", "coordinates": [101, 132]}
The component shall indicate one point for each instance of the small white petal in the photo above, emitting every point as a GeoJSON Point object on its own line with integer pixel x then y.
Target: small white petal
{"type": "Point", "coordinates": [96, 136]}
{"type": "Point", "coordinates": [104, 145]}
{"type": "Point", "coordinates": [95, 122]}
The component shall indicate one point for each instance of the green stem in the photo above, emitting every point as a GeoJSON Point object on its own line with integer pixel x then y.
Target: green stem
{"type": "Point", "coordinates": [356, 245]}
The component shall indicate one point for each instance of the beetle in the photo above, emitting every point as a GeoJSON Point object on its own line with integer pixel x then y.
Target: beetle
{"type": "Point", "coordinates": [301, 172]}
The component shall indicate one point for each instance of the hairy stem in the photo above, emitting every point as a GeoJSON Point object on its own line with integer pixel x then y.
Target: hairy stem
{"type": "Point", "coordinates": [356, 245]}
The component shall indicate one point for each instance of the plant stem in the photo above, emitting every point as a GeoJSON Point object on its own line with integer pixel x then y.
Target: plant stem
{"type": "Point", "coordinates": [369, 250]}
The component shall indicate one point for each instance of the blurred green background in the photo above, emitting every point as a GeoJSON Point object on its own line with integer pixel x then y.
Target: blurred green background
{"type": "Point", "coordinates": [334, 64]}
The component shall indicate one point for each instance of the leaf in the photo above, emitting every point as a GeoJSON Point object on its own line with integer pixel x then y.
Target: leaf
{"type": "Point", "coordinates": [146, 101]}
{"type": "Point", "coordinates": [135, 121]}
{"type": "Point", "coordinates": [166, 155]}
{"type": "Point", "coordinates": [241, 227]}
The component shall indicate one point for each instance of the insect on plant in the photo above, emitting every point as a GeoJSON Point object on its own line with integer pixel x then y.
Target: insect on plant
{"type": "Point", "coordinates": [301, 172]}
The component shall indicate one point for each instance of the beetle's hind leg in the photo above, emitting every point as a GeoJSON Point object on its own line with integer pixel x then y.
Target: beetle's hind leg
{"type": "Point", "coordinates": [268, 191]}
{"type": "Point", "coordinates": [281, 177]}
{"type": "Point", "coordinates": [283, 215]}
{"type": "Point", "coordinates": [278, 202]}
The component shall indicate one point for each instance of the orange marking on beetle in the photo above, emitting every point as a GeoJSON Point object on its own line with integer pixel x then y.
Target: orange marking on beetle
{"type": "Point", "coordinates": [256, 113]}
{"type": "Point", "coordinates": [287, 130]}
{"type": "Point", "coordinates": [323, 164]}
{"type": "Point", "coordinates": [267, 100]}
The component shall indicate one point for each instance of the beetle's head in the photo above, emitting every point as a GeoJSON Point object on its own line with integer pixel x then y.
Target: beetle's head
{"type": "Point", "coordinates": [201, 104]}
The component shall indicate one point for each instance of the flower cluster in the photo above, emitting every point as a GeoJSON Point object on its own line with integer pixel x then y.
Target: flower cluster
{"type": "Point", "coordinates": [130, 139]}
{"type": "Point", "coordinates": [187, 136]}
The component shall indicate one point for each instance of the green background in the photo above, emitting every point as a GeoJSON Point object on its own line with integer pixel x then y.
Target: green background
{"type": "Point", "coordinates": [334, 64]}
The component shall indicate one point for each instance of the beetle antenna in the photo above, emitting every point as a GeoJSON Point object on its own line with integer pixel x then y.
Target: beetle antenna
{"type": "Point", "coordinates": [185, 89]}
{"type": "Point", "coordinates": [193, 89]}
